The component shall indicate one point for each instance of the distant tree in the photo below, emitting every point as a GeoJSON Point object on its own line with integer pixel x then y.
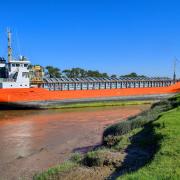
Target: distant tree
{"type": "Point", "coordinates": [75, 73]}
{"type": "Point", "coordinates": [96, 73]}
{"type": "Point", "coordinates": [91, 73]}
{"type": "Point", "coordinates": [82, 73]}
{"type": "Point", "coordinates": [104, 75]}
{"type": "Point", "coordinates": [53, 72]}
{"type": "Point", "coordinates": [78, 72]}
{"type": "Point", "coordinates": [67, 73]}
{"type": "Point", "coordinates": [133, 74]}
{"type": "Point", "coordinates": [114, 76]}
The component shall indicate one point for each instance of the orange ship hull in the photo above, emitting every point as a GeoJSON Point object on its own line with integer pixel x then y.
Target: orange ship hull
{"type": "Point", "coordinates": [39, 94]}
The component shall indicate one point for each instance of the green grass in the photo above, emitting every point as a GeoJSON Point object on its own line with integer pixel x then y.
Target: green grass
{"type": "Point", "coordinates": [52, 173]}
{"type": "Point", "coordinates": [139, 121]}
{"type": "Point", "coordinates": [100, 104]}
{"type": "Point", "coordinates": [124, 140]}
{"type": "Point", "coordinates": [166, 162]}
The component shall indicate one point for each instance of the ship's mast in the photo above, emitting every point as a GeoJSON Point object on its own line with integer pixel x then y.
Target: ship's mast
{"type": "Point", "coordinates": [9, 46]}
{"type": "Point", "coordinates": [174, 75]}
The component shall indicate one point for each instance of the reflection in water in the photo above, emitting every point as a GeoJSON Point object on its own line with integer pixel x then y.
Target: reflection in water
{"type": "Point", "coordinates": [32, 140]}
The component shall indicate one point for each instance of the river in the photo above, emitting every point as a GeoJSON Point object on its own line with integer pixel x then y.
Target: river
{"type": "Point", "coordinates": [34, 140]}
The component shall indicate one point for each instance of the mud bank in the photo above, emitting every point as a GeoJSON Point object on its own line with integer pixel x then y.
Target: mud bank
{"type": "Point", "coordinates": [32, 141]}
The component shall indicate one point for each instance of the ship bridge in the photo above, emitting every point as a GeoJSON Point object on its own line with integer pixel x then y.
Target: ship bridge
{"type": "Point", "coordinates": [90, 83]}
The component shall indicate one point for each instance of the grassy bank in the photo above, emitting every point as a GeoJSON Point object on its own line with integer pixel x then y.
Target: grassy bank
{"type": "Point", "coordinates": [143, 147]}
{"type": "Point", "coordinates": [100, 104]}
{"type": "Point", "coordinates": [166, 162]}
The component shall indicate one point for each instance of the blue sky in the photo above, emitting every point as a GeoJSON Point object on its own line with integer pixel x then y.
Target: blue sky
{"type": "Point", "coordinates": [114, 36]}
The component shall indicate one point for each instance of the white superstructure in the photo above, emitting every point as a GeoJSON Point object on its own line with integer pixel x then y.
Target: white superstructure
{"type": "Point", "coordinates": [18, 70]}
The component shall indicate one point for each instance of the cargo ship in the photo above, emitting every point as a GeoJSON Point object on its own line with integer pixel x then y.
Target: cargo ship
{"type": "Point", "coordinates": [22, 84]}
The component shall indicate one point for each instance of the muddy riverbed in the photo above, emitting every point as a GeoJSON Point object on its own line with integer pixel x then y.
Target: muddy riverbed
{"type": "Point", "coordinates": [32, 141]}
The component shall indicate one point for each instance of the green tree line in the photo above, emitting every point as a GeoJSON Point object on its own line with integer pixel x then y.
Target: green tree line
{"type": "Point", "coordinates": [51, 72]}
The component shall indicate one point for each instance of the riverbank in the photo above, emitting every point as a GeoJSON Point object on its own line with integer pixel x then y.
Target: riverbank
{"type": "Point", "coordinates": [144, 147]}
{"type": "Point", "coordinates": [86, 102]}
{"type": "Point", "coordinates": [72, 105]}
{"type": "Point", "coordinates": [166, 160]}
{"type": "Point", "coordinates": [35, 140]}
{"type": "Point", "coordinates": [100, 104]}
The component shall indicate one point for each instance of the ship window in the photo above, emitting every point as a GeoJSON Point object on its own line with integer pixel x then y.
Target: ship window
{"type": "Point", "coordinates": [25, 65]}
{"type": "Point", "coordinates": [17, 65]}
{"type": "Point", "coordinates": [25, 74]}
{"type": "Point", "coordinates": [13, 65]}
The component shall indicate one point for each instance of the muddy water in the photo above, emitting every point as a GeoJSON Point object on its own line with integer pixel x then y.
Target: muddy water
{"type": "Point", "coordinates": [31, 141]}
